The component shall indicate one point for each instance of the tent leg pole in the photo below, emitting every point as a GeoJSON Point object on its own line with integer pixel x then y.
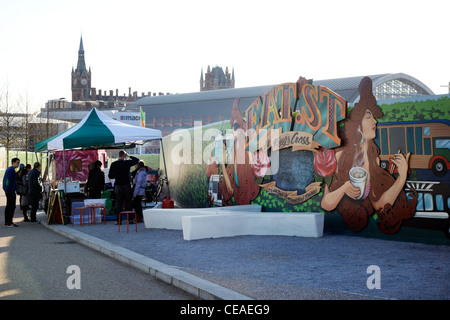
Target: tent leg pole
{"type": "Point", "coordinates": [64, 163]}
{"type": "Point", "coordinates": [165, 167]}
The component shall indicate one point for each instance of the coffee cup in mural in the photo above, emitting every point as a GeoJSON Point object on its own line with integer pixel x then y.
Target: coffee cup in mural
{"type": "Point", "coordinates": [358, 177]}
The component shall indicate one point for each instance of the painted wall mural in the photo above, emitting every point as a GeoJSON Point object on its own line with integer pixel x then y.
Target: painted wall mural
{"type": "Point", "coordinates": [77, 163]}
{"type": "Point", "coordinates": [298, 116]}
{"type": "Point", "coordinates": [300, 148]}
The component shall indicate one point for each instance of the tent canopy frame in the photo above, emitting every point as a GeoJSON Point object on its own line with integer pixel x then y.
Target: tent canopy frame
{"type": "Point", "coordinates": [99, 122]}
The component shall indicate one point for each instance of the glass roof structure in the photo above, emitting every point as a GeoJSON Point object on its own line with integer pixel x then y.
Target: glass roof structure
{"type": "Point", "coordinates": [384, 86]}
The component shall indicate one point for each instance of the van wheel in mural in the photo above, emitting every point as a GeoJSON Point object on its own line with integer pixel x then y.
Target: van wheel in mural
{"type": "Point", "coordinates": [439, 167]}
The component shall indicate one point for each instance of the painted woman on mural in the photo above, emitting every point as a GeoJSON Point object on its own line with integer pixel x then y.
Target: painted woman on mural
{"type": "Point", "coordinates": [382, 193]}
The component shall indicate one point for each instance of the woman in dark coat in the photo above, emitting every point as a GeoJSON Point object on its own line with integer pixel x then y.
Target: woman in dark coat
{"type": "Point", "coordinates": [96, 181]}
{"type": "Point", "coordinates": [22, 178]}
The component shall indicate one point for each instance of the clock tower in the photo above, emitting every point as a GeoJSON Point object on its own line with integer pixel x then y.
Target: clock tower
{"type": "Point", "coordinates": [81, 78]}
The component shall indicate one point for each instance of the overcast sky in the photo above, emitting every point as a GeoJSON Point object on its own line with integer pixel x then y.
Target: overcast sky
{"type": "Point", "coordinates": [162, 46]}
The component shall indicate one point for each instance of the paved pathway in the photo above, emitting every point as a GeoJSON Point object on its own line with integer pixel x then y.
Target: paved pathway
{"type": "Point", "coordinates": [275, 267]}
{"type": "Point", "coordinates": [34, 265]}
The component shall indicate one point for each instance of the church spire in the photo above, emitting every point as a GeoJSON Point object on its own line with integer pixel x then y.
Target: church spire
{"type": "Point", "coordinates": [201, 80]}
{"type": "Point", "coordinates": [81, 50]}
{"type": "Point", "coordinates": [81, 65]}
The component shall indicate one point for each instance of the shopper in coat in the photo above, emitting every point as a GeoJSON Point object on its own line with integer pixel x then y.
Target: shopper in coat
{"type": "Point", "coordinates": [96, 181]}
{"type": "Point", "coordinates": [9, 186]}
{"type": "Point", "coordinates": [22, 178]}
{"type": "Point", "coordinates": [139, 186]}
{"type": "Point", "coordinates": [120, 172]}
{"type": "Point", "coordinates": [34, 190]}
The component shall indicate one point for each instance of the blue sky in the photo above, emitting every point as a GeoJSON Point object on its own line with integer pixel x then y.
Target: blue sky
{"type": "Point", "coordinates": [161, 46]}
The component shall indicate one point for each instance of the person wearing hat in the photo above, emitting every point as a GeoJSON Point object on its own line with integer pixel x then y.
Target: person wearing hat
{"type": "Point", "coordinates": [34, 190]}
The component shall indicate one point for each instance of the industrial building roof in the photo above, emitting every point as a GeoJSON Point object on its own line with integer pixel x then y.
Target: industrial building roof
{"type": "Point", "coordinates": [216, 105]}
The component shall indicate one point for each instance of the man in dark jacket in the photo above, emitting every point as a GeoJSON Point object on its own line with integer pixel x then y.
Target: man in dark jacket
{"type": "Point", "coordinates": [9, 186]}
{"type": "Point", "coordinates": [120, 171]}
{"type": "Point", "coordinates": [34, 190]}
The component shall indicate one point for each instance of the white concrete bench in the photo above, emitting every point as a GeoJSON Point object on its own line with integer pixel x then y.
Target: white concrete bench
{"type": "Point", "coordinates": [245, 223]}
{"type": "Point", "coordinates": [171, 218]}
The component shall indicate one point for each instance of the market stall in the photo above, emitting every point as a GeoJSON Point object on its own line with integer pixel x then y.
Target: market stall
{"type": "Point", "coordinates": [95, 131]}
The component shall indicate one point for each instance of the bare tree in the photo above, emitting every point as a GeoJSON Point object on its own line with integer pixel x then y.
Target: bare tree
{"type": "Point", "coordinates": [26, 136]}
{"type": "Point", "coordinates": [9, 123]}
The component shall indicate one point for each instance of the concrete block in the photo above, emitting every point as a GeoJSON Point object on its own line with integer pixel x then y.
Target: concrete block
{"type": "Point", "coordinates": [244, 223]}
{"type": "Point", "coordinates": [171, 218]}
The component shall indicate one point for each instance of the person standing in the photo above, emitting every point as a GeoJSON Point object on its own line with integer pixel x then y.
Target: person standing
{"type": "Point", "coordinates": [140, 184]}
{"type": "Point", "coordinates": [96, 181]}
{"type": "Point", "coordinates": [34, 190]}
{"type": "Point", "coordinates": [9, 186]}
{"type": "Point", "coordinates": [120, 172]}
{"type": "Point", "coordinates": [22, 179]}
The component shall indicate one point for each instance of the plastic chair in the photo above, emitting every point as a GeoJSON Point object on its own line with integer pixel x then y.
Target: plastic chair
{"type": "Point", "coordinates": [81, 209]}
{"type": "Point", "coordinates": [128, 217]}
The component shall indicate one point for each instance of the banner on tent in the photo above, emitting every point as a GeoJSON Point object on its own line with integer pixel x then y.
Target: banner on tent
{"type": "Point", "coordinates": [133, 118]}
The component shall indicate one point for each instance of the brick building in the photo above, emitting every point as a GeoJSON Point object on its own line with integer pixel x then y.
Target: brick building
{"type": "Point", "coordinates": [85, 96]}
{"type": "Point", "coordinates": [216, 79]}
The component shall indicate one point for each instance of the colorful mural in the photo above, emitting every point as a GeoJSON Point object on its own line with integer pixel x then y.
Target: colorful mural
{"type": "Point", "coordinates": [299, 148]}
{"type": "Point", "coordinates": [298, 116]}
{"type": "Point", "coordinates": [77, 163]}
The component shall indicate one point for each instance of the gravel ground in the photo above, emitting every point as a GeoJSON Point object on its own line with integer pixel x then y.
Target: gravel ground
{"type": "Point", "coordinates": [279, 267]}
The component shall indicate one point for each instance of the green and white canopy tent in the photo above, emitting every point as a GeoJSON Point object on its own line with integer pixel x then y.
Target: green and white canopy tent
{"type": "Point", "coordinates": [98, 131]}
